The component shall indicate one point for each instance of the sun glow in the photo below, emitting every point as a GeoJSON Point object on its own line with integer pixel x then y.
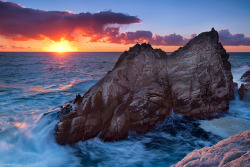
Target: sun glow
{"type": "Point", "coordinates": [60, 47]}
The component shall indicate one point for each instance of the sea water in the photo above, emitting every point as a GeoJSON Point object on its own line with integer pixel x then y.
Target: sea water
{"type": "Point", "coordinates": [35, 83]}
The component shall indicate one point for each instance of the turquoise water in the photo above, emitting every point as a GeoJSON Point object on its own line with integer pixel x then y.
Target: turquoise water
{"type": "Point", "coordinates": [35, 83]}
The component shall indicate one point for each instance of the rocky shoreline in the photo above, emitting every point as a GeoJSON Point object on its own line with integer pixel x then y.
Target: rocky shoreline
{"type": "Point", "coordinates": [231, 152]}
{"type": "Point", "coordinates": [146, 85]}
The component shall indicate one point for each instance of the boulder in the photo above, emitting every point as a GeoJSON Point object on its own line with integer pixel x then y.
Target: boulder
{"type": "Point", "coordinates": [231, 152]}
{"type": "Point", "coordinates": [146, 85]}
{"type": "Point", "coordinates": [244, 90]}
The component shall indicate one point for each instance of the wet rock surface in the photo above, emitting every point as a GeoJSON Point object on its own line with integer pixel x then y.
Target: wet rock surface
{"type": "Point", "coordinates": [144, 87]}
{"type": "Point", "coordinates": [62, 111]}
{"type": "Point", "coordinates": [234, 151]}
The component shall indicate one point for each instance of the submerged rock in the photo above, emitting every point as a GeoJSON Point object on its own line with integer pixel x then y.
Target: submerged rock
{"type": "Point", "coordinates": [234, 151]}
{"type": "Point", "coordinates": [144, 87]}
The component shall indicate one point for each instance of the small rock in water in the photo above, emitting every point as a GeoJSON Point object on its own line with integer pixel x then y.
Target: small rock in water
{"type": "Point", "coordinates": [246, 76]}
{"type": "Point", "coordinates": [244, 90]}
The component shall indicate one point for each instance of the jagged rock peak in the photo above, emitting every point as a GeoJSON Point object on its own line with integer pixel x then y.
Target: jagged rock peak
{"type": "Point", "coordinates": [139, 49]}
{"type": "Point", "coordinates": [211, 36]}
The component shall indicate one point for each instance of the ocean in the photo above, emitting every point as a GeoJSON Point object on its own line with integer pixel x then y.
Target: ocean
{"type": "Point", "coordinates": [35, 83]}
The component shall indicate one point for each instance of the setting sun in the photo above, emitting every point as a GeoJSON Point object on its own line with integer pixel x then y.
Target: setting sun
{"type": "Point", "coordinates": [60, 47]}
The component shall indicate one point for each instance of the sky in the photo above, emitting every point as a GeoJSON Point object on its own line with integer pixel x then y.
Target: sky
{"type": "Point", "coordinates": [114, 26]}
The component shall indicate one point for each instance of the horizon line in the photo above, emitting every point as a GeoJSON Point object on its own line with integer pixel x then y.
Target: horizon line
{"type": "Point", "coordinates": [84, 52]}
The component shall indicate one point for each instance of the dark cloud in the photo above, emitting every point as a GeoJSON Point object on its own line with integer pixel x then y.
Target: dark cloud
{"type": "Point", "coordinates": [169, 40]}
{"type": "Point", "coordinates": [21, 23]}
{"type": "Point", "coordinates": [113, 35]}
{"type": "Point", "coordinates": [229, 39]}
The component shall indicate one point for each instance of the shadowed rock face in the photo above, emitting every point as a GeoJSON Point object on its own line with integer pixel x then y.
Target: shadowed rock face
{"type": "Point", "coordinates": [234, 151]}
{"type": "Point", "coordinates": [200, 77]}
{"type": "Point", "coordinates": [146, 84]}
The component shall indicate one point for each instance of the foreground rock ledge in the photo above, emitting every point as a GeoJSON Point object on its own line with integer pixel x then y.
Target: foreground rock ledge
{"type": "Point", "coordinates": [231, 152]}
{"type": "Point", "coordinates": [146, 84]}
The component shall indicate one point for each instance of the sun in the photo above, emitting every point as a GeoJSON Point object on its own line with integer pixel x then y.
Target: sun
{"type": "Point", "coordinates": [61, 47]}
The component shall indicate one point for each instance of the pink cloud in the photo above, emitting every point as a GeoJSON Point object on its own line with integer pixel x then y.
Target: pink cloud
{"type": "Point", "coordinates": [233, 39]}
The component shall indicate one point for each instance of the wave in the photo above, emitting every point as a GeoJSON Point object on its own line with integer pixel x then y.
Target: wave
{"type": "Point", "coordinates": [34, 145]}
{"type": "Point", "coordinates": [244, 67]}
{"type": "Point", "coordinates": [168, 143]}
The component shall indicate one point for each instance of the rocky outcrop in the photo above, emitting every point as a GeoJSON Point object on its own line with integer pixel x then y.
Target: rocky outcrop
{"type": "Point", "coordinates": [244, 90]}
{"type": "Point", "coordinates": [231, 152]}
{"type": "Point", "coordinates": [134, 96]}
{"type": "Point", "coordinates": [246, 76]}
{"type": "Point", "coordinates": [146, 85]}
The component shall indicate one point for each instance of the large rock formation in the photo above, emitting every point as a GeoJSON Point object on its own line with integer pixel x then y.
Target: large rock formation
{"type": "Point", "coordinates": [135, 95]}
{"type": "Point", "coordinates": [231, 152]}
{"type": "Point", "coordinates": [146, 84]}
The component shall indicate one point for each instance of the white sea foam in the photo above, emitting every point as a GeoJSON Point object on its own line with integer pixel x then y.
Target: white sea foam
{"type": "Point", "coordinates": [225, 126]}
{"type": "Point", "coordinates": [34, 146]}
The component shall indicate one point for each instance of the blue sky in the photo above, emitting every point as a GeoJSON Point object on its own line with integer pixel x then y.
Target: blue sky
{"type": "Point", "coordinates": [163, 17]}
